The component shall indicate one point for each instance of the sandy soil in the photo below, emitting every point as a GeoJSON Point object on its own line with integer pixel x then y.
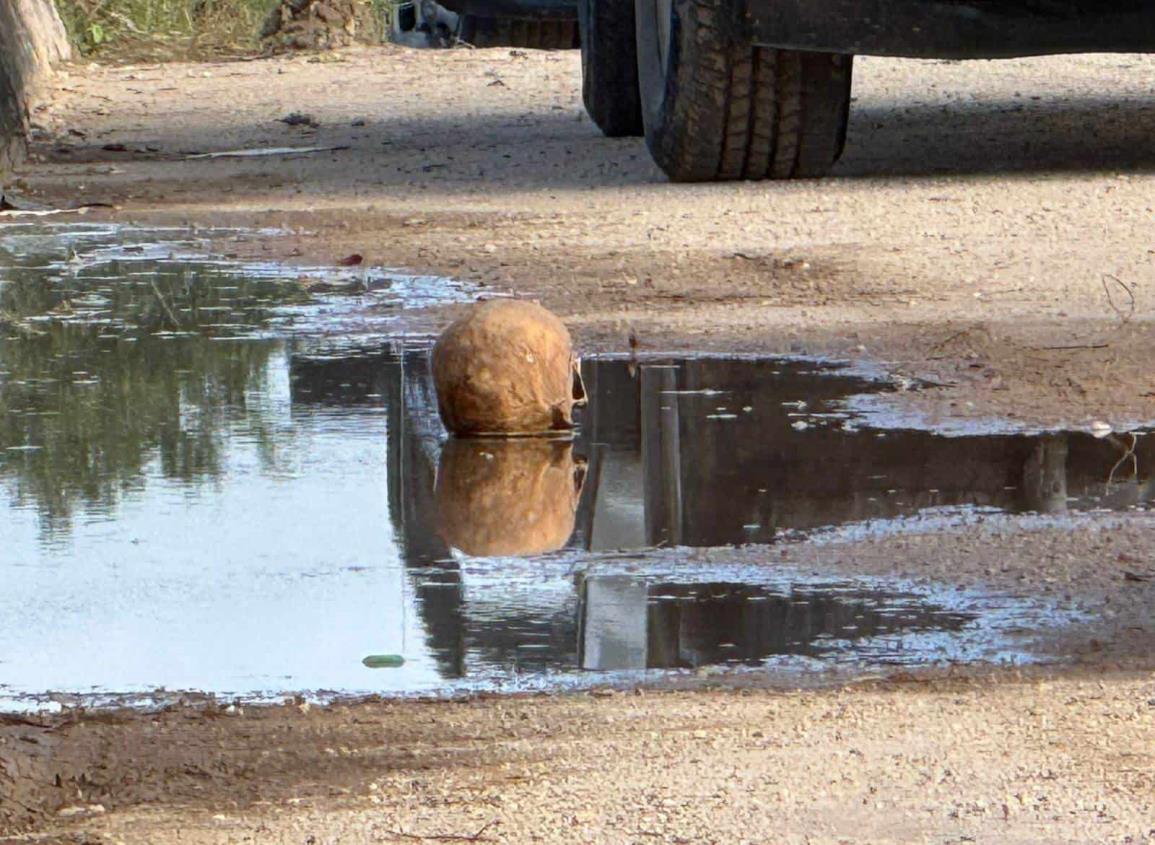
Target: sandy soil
{"type": "Point", "coordinates": [991, 227]}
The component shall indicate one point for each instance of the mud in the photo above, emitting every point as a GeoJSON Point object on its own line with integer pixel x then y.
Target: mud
{"type": "Point", "coordinates": [988, 232]}
{"type": "Point", "coordinates": [320, 25]}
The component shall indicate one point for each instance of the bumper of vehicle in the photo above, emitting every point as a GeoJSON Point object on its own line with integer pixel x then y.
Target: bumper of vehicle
{"type": "Point", "coordinates": [955, 29]}
{"type": "Point", "coordinates": [516, 9]}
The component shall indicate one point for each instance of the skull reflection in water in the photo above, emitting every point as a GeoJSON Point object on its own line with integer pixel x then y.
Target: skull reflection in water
{"type": "Point", "coordinates": [508, 497]}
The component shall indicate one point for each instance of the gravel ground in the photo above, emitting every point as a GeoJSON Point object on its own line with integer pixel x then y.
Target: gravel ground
{"type": "Point", "coordinates": [991, 228]}
{"type": "Point", "coordinates": [1003, 759]}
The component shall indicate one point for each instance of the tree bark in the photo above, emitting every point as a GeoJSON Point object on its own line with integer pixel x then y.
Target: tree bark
{"type": "Point", "coordinates": [32, 40]}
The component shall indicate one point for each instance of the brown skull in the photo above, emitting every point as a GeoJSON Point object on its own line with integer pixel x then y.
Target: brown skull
{"type": "Point", "coordinates": [506, 368]}
{"type": "Point", "coordinates": [508, 497]}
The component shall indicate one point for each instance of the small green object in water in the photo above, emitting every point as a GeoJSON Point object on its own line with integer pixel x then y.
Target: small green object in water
{"type": "Point", "coordinates": [384, 661]}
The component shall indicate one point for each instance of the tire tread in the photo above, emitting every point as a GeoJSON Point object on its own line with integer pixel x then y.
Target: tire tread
{"type": "Point", "coordinates": [610, 66]}
{"type": "Point", "coordinates": [731, 110]}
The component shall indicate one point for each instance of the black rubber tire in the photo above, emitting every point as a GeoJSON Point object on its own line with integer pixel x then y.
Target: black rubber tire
{"type": "Point", "coordinates": [721, 108]}
{"type": "Point", "coordinates": [479, 31]}
{"type": "Point", "coordinates": [610, 66]}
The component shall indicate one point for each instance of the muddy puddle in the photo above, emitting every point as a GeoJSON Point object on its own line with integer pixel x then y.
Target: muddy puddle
{"type": "Point", "coordinates": [196, 493]}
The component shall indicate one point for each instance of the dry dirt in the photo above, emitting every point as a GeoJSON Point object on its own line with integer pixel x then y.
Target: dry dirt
{"type": "Point", "coordinates": [991, 228]}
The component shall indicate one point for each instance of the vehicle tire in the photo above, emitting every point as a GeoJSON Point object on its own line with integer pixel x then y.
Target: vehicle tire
{"type": "Point", "coordinates": [717, 107]}
{"type": "Point", "coordinates": [610, 66]}
{"type": "Point", "coordinates": [479, 31]}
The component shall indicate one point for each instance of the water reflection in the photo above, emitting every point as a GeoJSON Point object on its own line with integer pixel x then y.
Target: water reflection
{"type": "Point", "coordinates": [512, 497]}
{"type": "Point", "coordinates": [82, 417]}
{"type": "Point", "coordinates": [712, 452]}
{"type": "Point", "coordinates": [709, 452]}
{"type": "Point", "coordinates": [107, 366]}
{"type": "Point", "coordinates": [191, 496]}
{"type": "Point", "coordinates": [703, 453]}
{"type": "Point", "coordinates": [627, 623]}
{"type": "Point", "coordinates": [125, 348]}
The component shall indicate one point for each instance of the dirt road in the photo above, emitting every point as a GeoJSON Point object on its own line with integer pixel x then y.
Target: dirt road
{"type": "Point", "coordinates": [1008, 761]}
{"type": "Point", "coordinates": [990, 224]}
{"type": "Point", "coordinates": [991, 227]}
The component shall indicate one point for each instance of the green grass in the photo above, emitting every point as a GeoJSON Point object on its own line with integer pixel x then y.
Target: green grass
{"type": "Point", "coordinates": [158, 30]}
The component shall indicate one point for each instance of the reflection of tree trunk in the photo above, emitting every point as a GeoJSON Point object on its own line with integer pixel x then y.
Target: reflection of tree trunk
{"type": "Point", "coordinates": [609, 437]}
{"type": "Point", "coordinates": [613, 623]}
{"type": "Point", "coordinates": [412, 476]}
{"type": "Point", "coordinates": [1045, 475]}
{"type": "Point", "coordinates": [661, 456]}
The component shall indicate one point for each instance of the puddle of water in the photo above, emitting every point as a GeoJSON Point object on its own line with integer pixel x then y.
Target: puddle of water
{"type": "Point", "coordinates": [195, 495]}
{"type": "Point", "coordinates": [167, 282]}
{"type": "Point", "coordinates": [723, 451]}
{"type": "Point", "coordinates": [125, 348]}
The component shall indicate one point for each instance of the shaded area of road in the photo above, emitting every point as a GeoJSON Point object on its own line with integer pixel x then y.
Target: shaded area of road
{"type": "Point", "coordinates": [909, 119]}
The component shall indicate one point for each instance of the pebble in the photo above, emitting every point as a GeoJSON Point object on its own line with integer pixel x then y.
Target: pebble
{"type": "Point", "coordinates": [1100, 429]}
{"type": "Point", "coordinates": [81, 810]}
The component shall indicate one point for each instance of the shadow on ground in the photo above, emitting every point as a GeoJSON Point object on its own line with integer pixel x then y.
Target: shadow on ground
{"type": "Point", "coordinates": [511, 152]}
{"type": "Point", "coordinates": [1005, 136]}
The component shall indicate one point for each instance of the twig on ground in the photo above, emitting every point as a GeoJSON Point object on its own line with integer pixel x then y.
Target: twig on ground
{"type": "Point", "coordinates": [20, 720]}
{"type": "Point", "coordinates": [1124, 316]}
{"type": "Point", "coordinates": [1069, 346]}
{"type": "Point", "coordinates": [933, 353]}
{"type": "Point", "coordinates": [448, 837]}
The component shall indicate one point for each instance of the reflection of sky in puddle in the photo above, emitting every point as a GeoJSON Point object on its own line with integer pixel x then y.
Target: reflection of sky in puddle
{"type": "Point", "coordinates": [256, 516]}
{"type": "Point", "coordinates": [166, 282]}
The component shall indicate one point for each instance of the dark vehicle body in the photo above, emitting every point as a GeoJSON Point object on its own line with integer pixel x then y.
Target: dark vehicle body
{"type": "Point", "coordinates": [515, 9]}
{"type": "Point", "coordinates": [954, 29]}
{"type": "Point", "coordinates": [945, 29]}
{"type": "Point", "coordinates": [535, 24]}
{"type": "Point", "coordinates": [760, 89]}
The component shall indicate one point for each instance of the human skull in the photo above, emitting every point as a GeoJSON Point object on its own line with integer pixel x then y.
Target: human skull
{"type": "Point", "coordinates": [506, 368]}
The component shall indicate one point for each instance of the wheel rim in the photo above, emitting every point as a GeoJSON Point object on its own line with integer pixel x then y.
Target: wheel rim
{"type": "Point", "coordinates": [656, 19]}
{"type": "Point", "coordinates": [655, 34]}
{"type": "Point", "coordinates": [664, 15]}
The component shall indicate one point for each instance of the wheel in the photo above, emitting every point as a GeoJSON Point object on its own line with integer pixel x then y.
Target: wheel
{"type": "Point", "coordinates": [610, 66]}
{"type": "Point", "coordinates": [717, 107]}
{"type": "Point", "coordinates": [481, 31]}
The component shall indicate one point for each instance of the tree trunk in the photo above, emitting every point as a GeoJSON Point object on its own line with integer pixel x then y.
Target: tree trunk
{"type": "Point", "coordinates": [32, 40]}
